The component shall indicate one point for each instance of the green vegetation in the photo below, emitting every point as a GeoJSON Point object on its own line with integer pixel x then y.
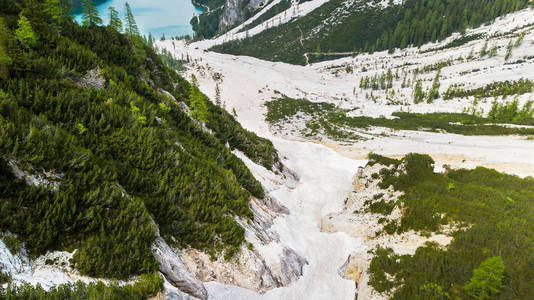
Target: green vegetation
{"type": "Point", "coordinates": [383, 81]}
{"type": "Point", "coordinates": [114, 21]}
{"type": "Point", "coordinates": [433, 93]}
{"type": "Point", "coordinates": [206, 25]}
{"type": "Point", "coordinates": [90, 15]}
{"type": "Point", "coordinates": [126, 157]}
{"type": "Point", "coordinates": [24, 33]}
{"type": "Point", "coordinates": [199, 110]}
{"type": "Point", "coordinates": [497, 88]}
{"type": "Point", "coordinates": [487, 279]}
{"type": "Point", "coordinates": [168, 59]}
{"type": "Point", "coordinates": [145, 287]}
{"type": "Point", "coordinates": [381, 207]}
{"type": "Point", "coordinates": [333, 122]}
{"type": "Point", "coordinates": [130, 26]}
{"type": "Point", "coordinates": [369, 27]}
{"type": "Point", "coordinates": [511, 113]}
{"type": "Point", "coordinates": [77, 5]}
{"type": "Point", "coordinates": [284, 108]}
{"type": "Point", "coordinates": [418, 94]}
{"type": "Point", "coordinates": [377, 158]}
{"type": "Point", "coordinates": [491, 252]}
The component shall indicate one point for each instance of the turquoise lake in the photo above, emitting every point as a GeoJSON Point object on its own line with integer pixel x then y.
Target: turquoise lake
{"type": "Point", "coordinates": [169, 17]}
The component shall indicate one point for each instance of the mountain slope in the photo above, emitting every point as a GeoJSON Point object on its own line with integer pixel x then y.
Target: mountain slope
{"type": "Point", "coordinates": [99, 151]}
{"type": "Point", "coordinates": [354, 26]}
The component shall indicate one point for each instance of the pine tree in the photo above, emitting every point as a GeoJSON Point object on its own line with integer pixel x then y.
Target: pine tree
{"type": "Point", "coordinates": [114, 21]}
{"type": "Point", "coordinates": [434, 90]}
{"type": "Point", "coordinates": [130, 24]}
{"type": "Point", "coordinates": [217, 95]}
{"type": "Point", "coordinates": [24, 33]}
{"type": "Point", "coordinates": [484, 49]}
{"type": "Point", "coordinates": [509, 49]}
{"type": "Point", "coordinates": [90, 15]}
{"type": "Point", "coordinates": [418, 93]}
{"type": "Point", "coordinates": [54, 8]}
{"type": "Point", "coordinates": [487, 279]}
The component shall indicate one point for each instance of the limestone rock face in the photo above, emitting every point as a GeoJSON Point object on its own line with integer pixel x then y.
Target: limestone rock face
{"type": "Point", "coordinates": [93, 79]}
{"type": "Point", "coordinates": [263, 264]}
{"type": "Point", "coordinates": [353, 268]}
{"type": "Point", "coordinates": [238, 11]}
{"type": "Point", "coordinates": [291, 265]}
{"type": "Point", "coordinates": [175, 271]}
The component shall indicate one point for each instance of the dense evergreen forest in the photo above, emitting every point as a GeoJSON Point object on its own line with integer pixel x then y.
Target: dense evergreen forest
{"type": "Point", "coordinates": [119, 159]}
{"type": "Point", "coordinates": [207, 23]}
{"type": "Point", "coordinates": [148, 285]}
{"type": "Point", "coordinates": [369, 27]}
{"type": "Point", "coordinates": [491, 255]}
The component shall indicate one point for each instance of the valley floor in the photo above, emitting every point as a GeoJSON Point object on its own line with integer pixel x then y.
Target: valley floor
{"type": "Point", "coordinates": [326, 168]}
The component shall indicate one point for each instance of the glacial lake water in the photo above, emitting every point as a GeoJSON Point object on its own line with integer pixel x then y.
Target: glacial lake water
{"type": "Point", "coordinates": [169, 17]}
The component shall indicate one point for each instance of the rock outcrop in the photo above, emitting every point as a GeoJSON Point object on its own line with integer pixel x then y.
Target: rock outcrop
{"type": "Point", "coordinates": [291, 265]}
{"type": "Point", "coordinates": [46, 179]}
{"type": "Point", "coordinates": [93, 79]}
{"type": "Point", "coordinates": [238, 11]}
{"type": "Point", "coordinates": [174, 270]}
{"type": "Point", "coordinates": [263, 264]}
{"type": "Point", "coordinates": [11, 263]}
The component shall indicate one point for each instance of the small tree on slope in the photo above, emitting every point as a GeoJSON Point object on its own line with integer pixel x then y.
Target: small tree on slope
{"type": "Point", "coordinates": [487, 279]}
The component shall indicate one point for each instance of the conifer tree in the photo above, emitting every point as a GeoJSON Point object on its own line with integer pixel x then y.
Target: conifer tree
{"type": "Point", "coordinates": [217, 95]}
{"type": "Point", "coordinates": [418, 93]}
{"type": "Point", "coordinates": [199, 109]}
{"type": "Point", "coordinates": [90, 15]}
{"type": "Point", "coordinates": [433, 93]}
{"type": "Point", "coordinates": [54, 8]}
{"type": "Point", "coordinates": [487, 279]}
{"type": "Point", "coordinates": [130, 24]}
{"type": "Point", "coordinates": [484, 49]}
{"type": "Point", "coordinates": [114, 21]}
{"type": "Point", "coordinates": [66, 9]}
{"type": "Point", "coordinates": [24, 33]}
